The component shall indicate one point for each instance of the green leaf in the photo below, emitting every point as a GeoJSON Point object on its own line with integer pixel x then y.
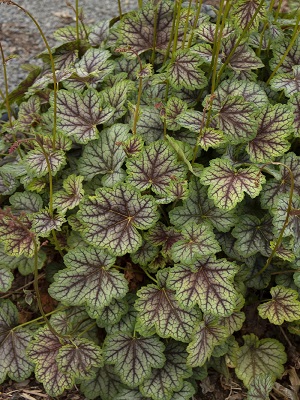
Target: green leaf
{"type": "Point", "coordinates": [94, 65]}
{"type": "Point", "coordinates": [280, 212]}
{"type": "Point", "coordinates": [199, 208]}
{"type": "Point", "coordinates": [105, 383]}
{"type": "Point", "coordinates": [128, 321]}
{"type": "Point", "coordinates": [132, 394]}
{"type": "Point", "coordinates": [14, 362]}
{"type": "Point", "coordinates": [208, 283]}
{"type": "Point", "coordinates": [207, 31]}
{"type": "Point", "coordinates": [290, 59]}
{"type": "Point", "coordinates": [237, 119]}
{"type": "Point", "coordinates": [43, 222]}
{"type": "Point", "coordinates": [25, 265]}
{"type": "Point", "coordinates": [243, 58]}
{"type": "Point", "coordinates": [79, 114]}
{"type": "Point", "coordinates": [98, 33]}
{"type": "Point", "coordinates": [116, 97]}
{"type": "Point", "coordinates": [187, 392]}
{"type": "Point", "coordinates": [88, 279]}
{"type": "Point", "coordinates": [43, 352]}
{"type": "Point", "coordinates": [155, 167]}
{"type": "Point", "coordinates": [289, 83]}
{"type": "Point", "coordinates": [244, 11]}
{"type": "Point", "coordinates": [150, 125]}
{"type": "Point", "coordinates": [228, 184]}
{"type": "Point", "coordinates": [184, 72]}
{"type": "Point", "coordinates": [113, 217]}
{"type": "Point", "coordinates": [253, 235]}
{"type": "Point", "coordinates": [168, 379]}
{"type": "Point", "coordinates": [6, 279]}
{"type": "Point", "coordinates": [159, 309]}
{"type": "Point", "coordinates": [69, 34]}
{"type": "Point", "coordinates": [70, 197]}
{"type": "Point", "coordinates": [36, 162]}
{"type": "Point", "coordinates": [28, 202]}
{"type": "Point", "coordinates": [295, 103]}
{"type": "Point", "coordinates": [146, 253]}
{"type": "Point", "coordinates": [111, 314]}
{"type": "Point", "coordinates": [8, 183]}
{"type": "Point", "coordinates": [199, 240]}
{"type": "Point", "coordinates": [133, 357]}
{"type": "Point", "coordinates": [275, 123]}
{"type": "Point", "coordinates": [284, 306]}
{"type": "Point", "coordinates": [191, 119]}
{"type": "Point", "coordinates": [174, 108]}
{"type": "Point", "coordinates": [78, 358]}
{"type": "Point", "coordinates": [207, 335]}
{"type": "Point", "coordinates": [260, 387]}
{"type": "Point", "coordinates": [234, 322]}
{"type": "Point", "coordinates": [258, 357]}
{"type": "Point", "coordinates": [211, 137]}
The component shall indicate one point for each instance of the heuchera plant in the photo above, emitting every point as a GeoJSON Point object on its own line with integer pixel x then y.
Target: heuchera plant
{"type": "Point", "coordinates": [150, 170]}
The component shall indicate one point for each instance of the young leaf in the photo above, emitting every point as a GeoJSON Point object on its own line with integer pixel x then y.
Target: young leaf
{"type": "Point", "coordinates": [71, 195]}
{"type": "Point", "coordinates": [133, 357]}
{"type": "Point", "coordinates": [79, 114]}
{"type": "Point", "coordinates": [36, 162]}
{"type": "Point", "coordinates": [88, 279]}
{"type": "Point", "coordinates": [228, 184]}
{"type": "Point", "coordinates": [258, 357]}
{"type": "Point", "coordinates": [155, 167]}
{"type": "Point", "coordinates": [253, 235]}
{"type": "Point", "coordinates": [113, 216]}
{"type": "Point", "coordinates": [284, 306]}
{"type": "Point", "coordinates": [199, 208]}
{"type": "Point", "coordinates": [168, 379]}
{"type": "Point", "coordinates": [208, 283]}
{"type": "Point", "coordinates": [14, 362]}
{"type": "Point", "coordinates": [105, 383]}
{"type": "Point", "coordinates": [43, 352]}
{"type": "Point", "coordinates": [159, 309]}
{"type": "Point", "coordinates": [199, 240]}
{"type": "Point", "coordinates": [78, 358]}
{"type": "Point", "coordinates": [184, 71]}
{"type": "Point", "coordinates": [275, 123]}
{"type": "Point", "coordinates": [43, 222]}
{"type": "Point", "coordinates": [260, 387]}
{"type": "Point", "coordinates": [207, 335]}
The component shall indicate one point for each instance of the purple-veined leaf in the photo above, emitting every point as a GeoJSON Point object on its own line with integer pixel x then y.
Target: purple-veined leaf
{"type": "Point", "coordinates": [155, 167]}
{"type": "Point", "coordinates": [174, 107]}
{"type": "Point", "coordinates": [88, 280]}
{"type": "Point", "coordinates": [198, 240]}
{"type": "Point", "coordinates": [211, 137]}
{"type": "Point", "coordinates": [64, 56]}
{"type": "Point", "coordinates": [237, 119]}
{"type": "Point", "coordinates": [139, 32]}
{"type": "Point", "coordinates": [43, 352]}
{"type": "Point", "coordinates": [290, 59]}
{"type": "Point", "coordinates": [79, 114]}
{"type": "Point", "coordinates": [111, 314]}
{"type": "Point", "coordinates": [133, 146]}
{"type": "Point", "coordinates": [36, 162]}
{"type": "Point", "coordinates": [145, 254]}
{"type": "Point", "coordinates": [25, 265]}
{"type": "Point", "coordinates": [128, 321]}
{"type": "Point", "coordinates": [295, 103]}
{"type": "Point", "coordinates": [150, 125]}
{"type": "Point", "coordinates": [260, 387]}
{"type": "Point", "coordinates": [282, 183]}
{"type": "Point", "coordinates": [14, 362]}
{"type": "Point", "coordinates": [234, 322]}
{"type": "Point", "coordinates": [253, 235]}
{"type": "Point", "coordinates": [244, 11]}
{"type": "Point", "coordinates": [159, 309]}
{"type": "Point", "coordinates": [184, 71]}
{"type": "Point", "coordinates": [16, 235]}
{"type": "Point", "coordinates": [98, 33]}
{"type": "Point", "coordinates": [70, 197]}
{"type": "Point", "coordinates": [191, 119]}
{"type": "Point", "coordinates": [133, 356]}
{"type": "Point", "coordinates": [289, 83]}
{"type": "Point", "coordinates": [199, 208]}
{"type": "Point", "coordinates": [207, 31]}
{"type": "Point", "coordinates": [204, 51]}
{"type": "Point", "coordinates": [113, 217]}
{"type": "Point", "coordinates": [175, 191]}
{"type": "Point", "coordinates": [208, 283]}
{"type": "Point", "coordinates": [207, 335]}
{"type": "Point", "coordinates": [78, 358]}
{"type": "Point", "coordinates": [244, 58]}
{"type": "Point", "coordinates": [165, 381]}
{"type": "Point", "coordinates": [258, 357]}
{"type": "Point", "coordinates": [132, 394]}
{"type": "Point", "coordinates": [251, 273]}
{"type": "Point", "coordinates": [94, 65]}
{"type": "Point", "coordinates": [284, 306]}
{"type": "Point", "coordinates": [8, 183]}
{"type": "Point", "coordinates": [105, 383]}
{"type": "Point", "coordinates": [6, 279]}
{"type": "Point", "coordinates": [105, 155]}
{"type": "Point", "coordinates": [69, 33]}
{"type": "Point", "coordinates": [28, 202]}
{"type": "Point", "coordinates": [184, 152]}
{"type": "Point", "coordinates": [43, 222]}
{"type": "Point", "coordinates": [228, 184]}
{"type": "Point", "coordinates": [116, 97]}
{"type": "Point", "coordinates": [279, 212]}
{"type": "Point", "coordinates": [250, 91]}
{"type": "Point", "coordinates": [161, 235]}
{"type": "Point", "coordinates": [29, 114]}
{"type": "Point", "coordinates": [185, 393]}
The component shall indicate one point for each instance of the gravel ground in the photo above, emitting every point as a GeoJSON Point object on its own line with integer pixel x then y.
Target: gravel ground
{"type": "Point", "coordinates": [20, 37]}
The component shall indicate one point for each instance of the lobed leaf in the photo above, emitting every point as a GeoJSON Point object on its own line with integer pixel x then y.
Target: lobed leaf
{"type": "Point", "coordinates": [260, 387]}
{"type": "Point", "coordinates": [43, 222]}
{"type": "Point", "coordinates": [36, 162]}
{"type": "Point", "coordinates": [71, 195]}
